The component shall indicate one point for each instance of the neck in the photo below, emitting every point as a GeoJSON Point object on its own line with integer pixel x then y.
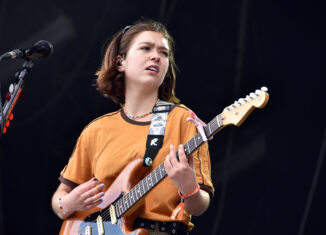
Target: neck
{"type": "Point", "coordinates": [137, 103]}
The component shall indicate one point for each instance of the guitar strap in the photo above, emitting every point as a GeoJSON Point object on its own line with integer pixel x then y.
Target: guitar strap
{"type": "Point", "coordinates": [156, 131]}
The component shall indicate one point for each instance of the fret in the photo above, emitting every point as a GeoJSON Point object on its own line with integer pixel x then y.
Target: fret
{"type": "Point", "coordinates": [142, 184]}
{"type": "Point", "coordinates": [220, 120]}
{"type": "Point", "coordinates": [135, 195]}
{"type": "Point", "coordinates": [188, 148]}
{"type": "Point", "coordinates": [123, 204]}
{"type": "Point", "coordinates": [132, 200]}
{"type": "Point", "coordinates": [129, 199]}
{"type": "Point", "coordinates": [195, 142]}
{"type": "Point", "coordinates": [149, 182]}
{"type": "Point", "coordinates": [209, 128]}
{"type": "Point", "coordinates": [160, 171]}
{"type": "Point", "coordinates": [125, 200]}
{"type": "Point", "coordinates": [138, 191]}
{"type": "Point", "coordinates": [154, 181]}
{"type": "Point", "coordinates": [121, 207]}
{"type": "Point", "coordinates": [163, 170]}
{"type": "Point", "coordinates": [155, 172]}
{"type": "Point", "coordinates": [145, 185]}
{"type": "Point", "coordinates": [118, 206]}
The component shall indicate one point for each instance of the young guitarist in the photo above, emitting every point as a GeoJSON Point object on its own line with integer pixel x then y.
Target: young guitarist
{"type": "Point", "coordinates": [138, 70]}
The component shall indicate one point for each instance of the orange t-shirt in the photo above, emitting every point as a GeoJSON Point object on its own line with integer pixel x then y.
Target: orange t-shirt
{"type": "Point", "coordinates": [112, 141]}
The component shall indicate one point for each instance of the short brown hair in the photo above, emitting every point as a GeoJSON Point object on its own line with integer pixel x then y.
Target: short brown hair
{"type": "Point", "coordinates": [111, 82]}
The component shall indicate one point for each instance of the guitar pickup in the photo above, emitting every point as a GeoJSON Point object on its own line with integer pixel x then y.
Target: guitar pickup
{"type": "Point", "coordinates": [88, 230]}
{"type": "Point", "coordinates": [100, 227]}
{"type": "Point", "coordinates": [113, 215]}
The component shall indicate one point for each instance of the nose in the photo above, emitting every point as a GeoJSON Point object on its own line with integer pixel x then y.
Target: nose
{"type": "Point", "coordinates": [155, 56]}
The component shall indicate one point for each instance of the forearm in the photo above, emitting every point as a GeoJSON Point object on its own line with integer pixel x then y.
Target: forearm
{"type": "Point", "coordinates": [55, 204]}
{"type": "Point", "coordinates": [198, 203]}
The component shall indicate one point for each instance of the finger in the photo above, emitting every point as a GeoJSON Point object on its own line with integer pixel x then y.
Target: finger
{"type": "Point", "coordinates": [94, 198]}
{"type": "Point", "coordinates": [191, 162]}
{"type": "Point", "coordinates": [98, 188]}
{"type": "Point", "coordinates": [87, 185]}
{"type": "Point", "coordinates": [173, 159]}
{"type": "Point", "coordinates": [167, 163]}
{"type": "Point", "coordinates": [182, 155]}
{"type": "Point", "coordinates": [94, 204]}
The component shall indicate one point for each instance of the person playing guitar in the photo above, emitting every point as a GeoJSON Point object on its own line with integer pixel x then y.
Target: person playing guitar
{"type": "Point", "coordinates": [138, 71]}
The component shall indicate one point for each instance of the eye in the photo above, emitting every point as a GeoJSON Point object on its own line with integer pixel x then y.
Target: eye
{"type": "Point", "coordinates": [165, 53]}
{"type": "Point", "coordinates": [145, 48]}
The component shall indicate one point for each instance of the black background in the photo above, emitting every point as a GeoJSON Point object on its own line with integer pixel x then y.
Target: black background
{"type": "Point", "coordinates": [262, 171]}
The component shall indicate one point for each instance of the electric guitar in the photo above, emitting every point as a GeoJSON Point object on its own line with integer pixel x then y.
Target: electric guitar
{"type": "Point", "coordinates": [116, 214]}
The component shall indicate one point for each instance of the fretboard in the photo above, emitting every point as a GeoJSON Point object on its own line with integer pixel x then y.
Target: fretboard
{"type": "Point", "coordinates": [152, 179]}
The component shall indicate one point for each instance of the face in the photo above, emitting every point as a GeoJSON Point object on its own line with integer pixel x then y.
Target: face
{"type": "Point", "coordinates": [146, 61]}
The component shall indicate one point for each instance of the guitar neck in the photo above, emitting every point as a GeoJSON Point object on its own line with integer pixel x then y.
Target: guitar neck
{"type": "Point", "coordinates": [151, 180]}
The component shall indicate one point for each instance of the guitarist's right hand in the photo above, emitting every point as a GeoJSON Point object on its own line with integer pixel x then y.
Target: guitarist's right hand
{"type": "Point", "coordinates": [82, 198]}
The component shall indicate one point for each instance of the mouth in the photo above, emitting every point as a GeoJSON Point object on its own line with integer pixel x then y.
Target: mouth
{"type": "Point", "coordinates": [153, 68]}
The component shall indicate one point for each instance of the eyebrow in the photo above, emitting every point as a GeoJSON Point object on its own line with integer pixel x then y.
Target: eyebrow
{"type": "Point", "coordinates": [152, 44]}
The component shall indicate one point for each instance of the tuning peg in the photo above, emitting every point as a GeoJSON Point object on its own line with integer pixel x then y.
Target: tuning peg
{"type": "Point", "coordinates": [241, 100]}
{"type": "Point", "coordinates": [264, 88]}
{"type": "Point", "coordinates": [237, 103]}
{"type": "Point", "coordinates": [252, 95]}
{"type": "Point", "coordinates": [257, 92]}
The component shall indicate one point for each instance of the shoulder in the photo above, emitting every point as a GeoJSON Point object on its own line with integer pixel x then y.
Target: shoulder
{"type": "Point", "coordinates": [181, 109]}
{"type": "Point", "coordinates": [105, 120]}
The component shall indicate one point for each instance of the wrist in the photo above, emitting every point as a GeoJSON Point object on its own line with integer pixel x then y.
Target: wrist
{"type": "Point", "coordinates": [61, 207]}
{"type": "Point", "coordinates": [191, 193]}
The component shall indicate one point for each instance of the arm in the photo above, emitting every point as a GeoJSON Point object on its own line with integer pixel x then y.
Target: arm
{"type": "Point", "coordinates": [82, 198]}
{"type": "Point", "coordinates": [183, 176]}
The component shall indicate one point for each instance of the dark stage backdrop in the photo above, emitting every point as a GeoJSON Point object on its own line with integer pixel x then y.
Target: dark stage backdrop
{"type": "Point", "coordinates": [262, 171]}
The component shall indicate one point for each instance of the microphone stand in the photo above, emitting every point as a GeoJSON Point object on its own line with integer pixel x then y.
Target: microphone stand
{"type": "Point", "coordinates": [18, 86]}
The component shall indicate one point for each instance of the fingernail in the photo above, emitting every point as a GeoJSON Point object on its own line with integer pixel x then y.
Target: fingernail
{"type": "Point", "coordinates": [102, 194]}
{"type": "Point", "coordinates": [95, 180]}
{"type": "Point", "coordinates": [180, 146]}
{"type": "Point", "coordinates": [102, 185]}
{"type": "Point", "coordinates": [101, 200]}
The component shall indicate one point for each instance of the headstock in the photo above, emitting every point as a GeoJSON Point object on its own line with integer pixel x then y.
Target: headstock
{"type": "Point", "coordinates": [237, 112]}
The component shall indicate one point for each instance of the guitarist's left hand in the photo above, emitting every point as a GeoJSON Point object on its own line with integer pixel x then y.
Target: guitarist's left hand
{"type": "Point", "coordinates": [182, 172]}
{"type": "Point", "coordinates": [183, 176]}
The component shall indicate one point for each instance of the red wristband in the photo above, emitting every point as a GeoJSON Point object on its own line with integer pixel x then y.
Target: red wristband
{"type": "Point", "coordinates": [192, 193]}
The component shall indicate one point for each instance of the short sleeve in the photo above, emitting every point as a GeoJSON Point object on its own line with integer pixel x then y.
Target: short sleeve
{"type": "Point", "coordinates": [202, 164]}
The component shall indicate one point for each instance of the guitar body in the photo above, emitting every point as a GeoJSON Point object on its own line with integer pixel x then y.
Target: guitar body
{"type": "Point", "coordinates": [85, 222]}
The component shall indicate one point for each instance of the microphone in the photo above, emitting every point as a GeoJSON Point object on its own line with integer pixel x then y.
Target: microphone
{"type": "Point", "coordinates": [40, 49]}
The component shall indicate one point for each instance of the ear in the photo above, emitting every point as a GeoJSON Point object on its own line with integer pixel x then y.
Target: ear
{"type": "Point", "coordinates": [119, 61]}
